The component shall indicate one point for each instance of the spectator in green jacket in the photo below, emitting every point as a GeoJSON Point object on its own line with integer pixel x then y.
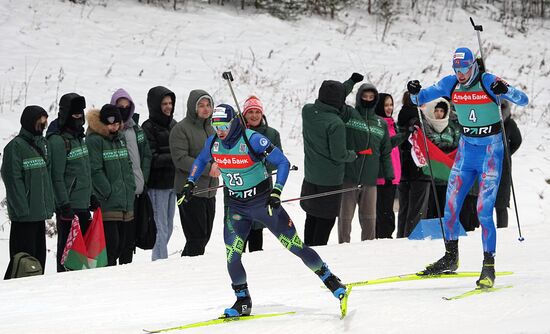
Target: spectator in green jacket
{"type": "Point", "coordinates": [445, 135]}
{"type": "Point", "coordinates": [26, 175]}
{"type": "Point", "coordinates": [112, 177]}
{"type": "Point", "coordinates": [70, 169]}
{"type": "Point", "coordinates": [325, 156]}
{"type": "Point", "coordinates": [365, 132]}
{"type": "Point", "coordinates": [186, 141]}
{"type": "Point", "coordinates": [140, 157]}
{"type": "Point", "coordinates": [253, 112]}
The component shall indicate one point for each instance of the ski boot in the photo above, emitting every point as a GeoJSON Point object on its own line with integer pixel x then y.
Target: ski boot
{"type": "Point", "coordinates": [243, 305]}
{"type": "Point", "coordinates": [487, 278]}
{"type": "Point", "coordinates": [448, 263]}
{"type": "Point", "coordinates": [332, 282]}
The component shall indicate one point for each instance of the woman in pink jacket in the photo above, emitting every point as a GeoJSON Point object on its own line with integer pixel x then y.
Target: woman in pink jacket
{"type": "Point", "coordinates": [385, 217]}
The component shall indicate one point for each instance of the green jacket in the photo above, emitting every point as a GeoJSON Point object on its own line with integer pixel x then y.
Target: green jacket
{"type": "Point", "coordinates": [186, 142]}
{"type": "Point", "coordinates": [112, 177]}
{"type": "Point", "coordinates": [26, 176]}
{"type": "Point", "coordinates": [325, 153]}
{"type": "Point", "coordinates": [70, 170]}
{"type": "Point", "coordinates": [365, 130]}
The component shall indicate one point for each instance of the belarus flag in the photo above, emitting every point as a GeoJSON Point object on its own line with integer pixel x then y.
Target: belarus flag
{"type": "Point", "coordinates": [441, 162]}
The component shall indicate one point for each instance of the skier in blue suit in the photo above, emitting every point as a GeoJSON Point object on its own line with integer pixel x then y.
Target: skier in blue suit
{"type": "Point", "coordinates": [241, 155]}
{"type": "Point", "coordinates": [476, 96]}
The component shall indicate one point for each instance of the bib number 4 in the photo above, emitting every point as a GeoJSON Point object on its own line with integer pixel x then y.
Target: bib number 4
{"type": "Point", "coordinates": [473, 117]}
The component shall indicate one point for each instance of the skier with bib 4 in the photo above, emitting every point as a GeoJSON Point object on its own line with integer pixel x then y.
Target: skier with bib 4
{"type": "Point", "coordinates": [241, 155]}
{"type": "Point", "coordinates": [476, 96]}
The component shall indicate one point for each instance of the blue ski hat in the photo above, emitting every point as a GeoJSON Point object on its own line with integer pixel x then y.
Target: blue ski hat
{"type": "Point", "coordinates": [223, 113]}
{"type": "Point", "coordinates": [463, 57]}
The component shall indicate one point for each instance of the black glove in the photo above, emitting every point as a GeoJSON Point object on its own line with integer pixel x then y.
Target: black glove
{"type": "Point", "coordinates": [186, 193]}
{"type": "Point", "coordinates": [412, 123]}
{"type": "Point", "coordinates": [94, 203]}
{"type": "Point", "coordinates": [66, 213]}
{"type": "Point", "coordinates": [499, 87]}
{"type": "Point", "coordinates": [414, 87]}
{"type": "Point", "coordinates": [356, 77]}
{"type": "Point", "coordinates": [273, 201]}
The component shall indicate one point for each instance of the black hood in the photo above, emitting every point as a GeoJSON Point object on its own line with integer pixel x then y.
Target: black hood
{"type": "Point", "coordinates": [70, 104]}
{"type": "Point", "coordinates": [379, 109]}
{"type": "Point", "coordinates": [29, 117]}
{"type": "Point", "coordinates": [359, 103]}
{"type": "Point", "coordinates": [154, 99]}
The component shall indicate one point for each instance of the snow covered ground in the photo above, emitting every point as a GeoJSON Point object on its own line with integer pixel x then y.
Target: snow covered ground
{"type": "Point", "coordinates": [49, 47]}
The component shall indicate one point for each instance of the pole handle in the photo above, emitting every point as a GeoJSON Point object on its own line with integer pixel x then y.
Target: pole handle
{"type": "Point", "coordinates": [477, 28]}
{"type": "Point", "coordinates": [227, 75]}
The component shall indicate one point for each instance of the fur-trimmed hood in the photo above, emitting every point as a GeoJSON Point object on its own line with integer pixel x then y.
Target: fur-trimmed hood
{"type": "Point", "coordinates": [437, 124]}
{"type": "Point", "coordinates": [96, 126]}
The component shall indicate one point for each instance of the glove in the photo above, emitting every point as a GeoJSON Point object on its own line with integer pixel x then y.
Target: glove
{"type": "Point", "coordinates": [412, 125]}
{"type": "Point", "coordinates": [66, 213]}
{"type": "Point", "coordinates": [186, 193]}
{"type": "Point", "coordinates": [94, 203]}
{"type": "Point", "coordinates": [499, 87]}
{"type": "Point", "coordinates": [414, 87]}
{"type": "Point", "coordinates": [356, 77]}
{"type": "Point", "coordinates": [368, 151]}
{"type": "Point", "coordinates": [273, 201]}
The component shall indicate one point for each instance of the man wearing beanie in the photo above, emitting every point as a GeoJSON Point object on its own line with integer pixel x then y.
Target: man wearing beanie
{"type": "Point", "coordinates": [253, 112]}
{"type": "Point", "coordinates": [112, 178]}
{"type": "Point", "coordinates": [25, 172]}
{"type": "Point", "coordinates": [161, 103]}
{"type": "Point", "coordinates": [325, 155]}
{"type": "Point", "coordinates": [70, 169]}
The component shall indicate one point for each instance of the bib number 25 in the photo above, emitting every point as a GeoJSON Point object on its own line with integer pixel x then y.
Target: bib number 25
{"type": "Point", "coordinates": [235, 179]}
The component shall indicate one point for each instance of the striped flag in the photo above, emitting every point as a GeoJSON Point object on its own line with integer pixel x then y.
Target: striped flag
{"type": "Point", "coordinates": [441, 162]}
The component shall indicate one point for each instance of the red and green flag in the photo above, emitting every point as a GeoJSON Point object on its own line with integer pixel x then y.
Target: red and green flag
{"type": "Point", "coordinates": [88, 251]}
{"type": "Point", "coordinates": [441, 162]}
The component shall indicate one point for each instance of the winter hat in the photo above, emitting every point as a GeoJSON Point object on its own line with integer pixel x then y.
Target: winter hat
{"type": "Point", "coordinates": [253, 103]}
{"type": "Point", "coordinates": [223, 113]}
{"type": "Point", "coordinates": [29, 117]}
{"type": "Point", "coordinates": [463, 57]}
{"type": "Point", "coordinates": [109, 114]}
{"type": "Point", "coordinates": [70, 104]}
{"type": "Point", "coordinates": [443, 106]}
{"type": "Point", "coordinates": [332, 93]}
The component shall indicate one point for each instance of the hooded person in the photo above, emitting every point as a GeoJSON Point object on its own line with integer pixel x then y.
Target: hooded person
{"type": "Point", "coordinates": [70, 170]}
{"type": "Point", "coordinates": [365, 132]}
{"type": "Point", "coordinates": [140, 156]}
{"type": "Point", "coordinates": [325, 158]}
{"type": "Point", "coordinates": [161, 103]}
{"type": "Point", "coordinates": [112, 177]}
{"type": "Point", "coordinates": [186, 142]}
{"type": "Point", "coordinates": [253, 113]}
{"type": "Point", "coordinates": [476, 96]}
{"type": "Point", "coordinates": [241, 155]}
{"type": "Point", "coordinates": [29, 195]}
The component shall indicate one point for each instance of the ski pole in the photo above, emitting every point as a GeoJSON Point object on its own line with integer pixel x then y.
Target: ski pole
{"type": "Point", "coordinates": [432, 181]}
{"type": "Point", "coordinates": [229, 77]}
{"type": "Point", "coordinates": [508, 156]}
{"type": "Point", "coordinates": [328, 193]}
{"type": "Point", "coordinates": [205, 190]}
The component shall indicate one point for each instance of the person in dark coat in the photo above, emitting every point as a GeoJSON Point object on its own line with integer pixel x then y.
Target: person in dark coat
{"type": "Point", "coordinates": [325, 156]}
{"type": "Point", "coordinates": [414, 188]}
{"type": "Point", "coordinates": [71, 174]}
{"type": "Point", "coordinates": [161, 103]}
{"type": "Point", "coordinates": [25, 172]}
{"type": "Point", "coordinates": [513, 135]}
{"type": "Point", "coordinates": [253, 112]}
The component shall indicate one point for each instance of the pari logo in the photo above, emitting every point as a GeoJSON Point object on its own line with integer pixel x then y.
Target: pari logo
{"type": "Point", "coordinates": [477, 131]}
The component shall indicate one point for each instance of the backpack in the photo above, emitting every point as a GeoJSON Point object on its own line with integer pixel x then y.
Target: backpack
{"type": "Point", "coordinates": [23, 265]}
{"type": "Point", "coordinates": [146, 228]}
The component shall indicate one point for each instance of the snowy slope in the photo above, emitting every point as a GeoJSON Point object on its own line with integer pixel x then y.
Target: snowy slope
{"type": "Point", "coordinates": [48, 48]}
